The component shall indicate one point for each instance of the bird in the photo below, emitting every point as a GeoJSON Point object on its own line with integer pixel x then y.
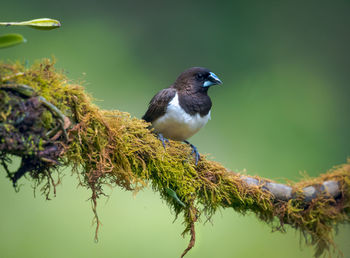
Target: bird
{"type": "Point", "coordinates": [182, 109]}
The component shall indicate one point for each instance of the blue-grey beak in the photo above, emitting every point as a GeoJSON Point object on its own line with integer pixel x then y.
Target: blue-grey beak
{"type": "Point", "coordinates": [212, 80]}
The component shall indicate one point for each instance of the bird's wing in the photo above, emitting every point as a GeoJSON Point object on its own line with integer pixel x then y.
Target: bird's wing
{"type": "Point", "coordinates": [158, 104]}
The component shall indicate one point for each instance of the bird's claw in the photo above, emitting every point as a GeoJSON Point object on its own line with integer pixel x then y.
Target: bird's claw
{"type": "Point", "coordinates": [163, 139]}
{"type": "Point", "coordinates": [195, 151]}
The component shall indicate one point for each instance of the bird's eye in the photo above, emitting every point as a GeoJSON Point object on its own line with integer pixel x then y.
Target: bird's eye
{"type": "Point", "coordinates": [200, 76]}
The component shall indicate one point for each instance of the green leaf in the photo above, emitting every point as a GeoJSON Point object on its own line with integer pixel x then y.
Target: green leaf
{"type": "Point", "coordinates": [9, 40]}
{"type": "Point", "coordinates": [42, 24]}
{"type": "Point", "coordinates": [173, 194]}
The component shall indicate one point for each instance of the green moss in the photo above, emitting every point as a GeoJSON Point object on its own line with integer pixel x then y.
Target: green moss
{"type": "Point", "coordinates": [112, 148]}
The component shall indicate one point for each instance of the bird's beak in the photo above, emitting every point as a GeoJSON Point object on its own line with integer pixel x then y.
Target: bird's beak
{"type": "Point", "coordinates": [212, 80]}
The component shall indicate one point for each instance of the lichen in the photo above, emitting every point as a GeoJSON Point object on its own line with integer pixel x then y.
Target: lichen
{"type": "Point", "coordinates": [112, 148]}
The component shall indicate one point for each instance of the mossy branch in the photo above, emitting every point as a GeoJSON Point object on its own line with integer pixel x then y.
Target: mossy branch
{"type": "Point", "coordinates": [56, 125]}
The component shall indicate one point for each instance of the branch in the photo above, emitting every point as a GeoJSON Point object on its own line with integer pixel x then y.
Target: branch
{"type": "Point", "coordinates": [50, 124]}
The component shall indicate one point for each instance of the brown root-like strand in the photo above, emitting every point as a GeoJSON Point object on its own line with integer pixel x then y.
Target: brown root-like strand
{"type": "Point", "coordinates": [193, 216]}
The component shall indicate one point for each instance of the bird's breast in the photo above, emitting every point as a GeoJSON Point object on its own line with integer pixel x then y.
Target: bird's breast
{"type": "Point", "coordinates": [177, 124]}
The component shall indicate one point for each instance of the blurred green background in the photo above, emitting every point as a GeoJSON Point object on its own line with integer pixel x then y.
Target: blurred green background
{"type": "Point", "coordinates": [283, 108]}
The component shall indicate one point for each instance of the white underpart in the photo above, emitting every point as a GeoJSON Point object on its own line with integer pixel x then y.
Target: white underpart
{"type": "Point", "coordinates": [176, 124]}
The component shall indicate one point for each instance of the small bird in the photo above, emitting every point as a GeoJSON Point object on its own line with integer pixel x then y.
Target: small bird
{"type": "Point", "coordinates": [178, 112]}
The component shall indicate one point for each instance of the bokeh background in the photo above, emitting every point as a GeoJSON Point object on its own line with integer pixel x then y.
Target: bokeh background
{"type": "Point", "coordinates": [283, 109]}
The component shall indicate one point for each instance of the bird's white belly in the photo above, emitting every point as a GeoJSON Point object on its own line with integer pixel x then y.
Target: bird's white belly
{"type": "Point", "coordinates": [178, 125]}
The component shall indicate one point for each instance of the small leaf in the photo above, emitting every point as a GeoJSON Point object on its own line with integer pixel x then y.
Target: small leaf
{"type": "Point", "coordinates": [173, 194]}
{"type": "Point", "coordinates": [9, 40]}
{"type": "Point", "coordinates": [42, 24]}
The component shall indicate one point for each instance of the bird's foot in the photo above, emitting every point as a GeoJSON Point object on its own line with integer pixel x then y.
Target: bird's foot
{"type": "Point", "coordinates": [195, 151]}
{"type": "Point", "coordinates": [163, 139]}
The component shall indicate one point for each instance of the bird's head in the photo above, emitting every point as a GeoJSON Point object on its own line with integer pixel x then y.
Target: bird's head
{"type": "Point", "coordinates": [197, 78]}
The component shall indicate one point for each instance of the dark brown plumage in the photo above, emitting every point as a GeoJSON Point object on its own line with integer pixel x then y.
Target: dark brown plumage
{"type": "Point", "coordinates": [157, 105]}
